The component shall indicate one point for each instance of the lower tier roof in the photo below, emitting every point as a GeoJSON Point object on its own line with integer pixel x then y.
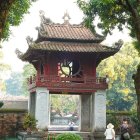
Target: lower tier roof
{"type": "Point", "coordinates": [63, 47]}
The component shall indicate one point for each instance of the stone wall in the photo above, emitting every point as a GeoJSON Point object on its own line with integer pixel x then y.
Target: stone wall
{"type": "Point", "coordinates": [11, 104]}
{"type": "Point", "coordinates": [11, 121]}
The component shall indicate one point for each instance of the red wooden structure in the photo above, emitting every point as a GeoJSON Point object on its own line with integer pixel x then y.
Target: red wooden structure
{"type": "Point", "coordinates": [65, 57]}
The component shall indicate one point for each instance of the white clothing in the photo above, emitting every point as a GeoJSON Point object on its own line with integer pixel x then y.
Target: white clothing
{"type": "Point", "coordinates": [109, 133]}
{"type": "Point", "coordinates": [71, 124]}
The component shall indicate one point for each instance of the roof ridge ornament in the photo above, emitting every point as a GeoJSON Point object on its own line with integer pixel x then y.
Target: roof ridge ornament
{"type": "Point", "coordinates": [42, 16]}
{"type": "Point", "coordinates": [118, 44]}
{"type": "Point", "coordinates": [29, 40]}
{"type": "Point", "coordinates": [43, 19]}
{"type": "Point", "coordinates": [18, 52]}
{"type": "Point", "coordinates": [41, 30]}
{"type": "Point", "coordinates": [66, 18]}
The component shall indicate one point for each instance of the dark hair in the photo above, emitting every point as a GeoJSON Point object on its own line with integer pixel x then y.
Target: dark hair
{"type": "Point", "coordinates": [126, 119]}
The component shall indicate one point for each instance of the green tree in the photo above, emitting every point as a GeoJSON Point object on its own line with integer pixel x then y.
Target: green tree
{"type": "Point", "coordinates": [64, 104]}
{"type": "Point", "coordinates": [11, 14]}
{"type": "Point", "coordinates": [17, 83]}
{"type": "Point", "coordinates": [3, 67]}
{"type": "Point", "coordinates": [14, 84]}
{"type": "Point", "coordinates": [69, 136]}
{"type": "Point", "coordinates": [120, 14]}
{"type": "Point", "coordinates": [4, 70]}
{"type": "Point", "coordinates": [28, 70]}
{"type": "Point", "coordinates": [120, 68]}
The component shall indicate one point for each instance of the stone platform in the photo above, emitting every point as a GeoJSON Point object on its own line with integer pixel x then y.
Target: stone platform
{"type": "Point", "coordinates": [25, 136]}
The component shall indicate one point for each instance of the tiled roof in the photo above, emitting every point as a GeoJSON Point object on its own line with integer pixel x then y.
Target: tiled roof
{"type": "Point", "coordinates": [63, 47]}
{"type": "Point", "coordinates": [71, 47]}
{"type": "Point", "coordinates": [68, 31]}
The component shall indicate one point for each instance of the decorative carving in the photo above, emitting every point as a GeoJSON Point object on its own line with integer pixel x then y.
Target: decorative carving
{"type": "Point", "coordinates": [69, 68]}
{"type": "Point", "coordinates": [37, 28]}
{"type": "Point", "coordinates": [118, 44]}
{"type": "Point", "coordinates": [42, 30]}
{"type": "Point", "coordinates": [18, 52]}
{"type": "Point", "coordinates": [44, 20]}
{"type": "Point", "coordinates": [29, 40]}
{"type": "Point", "coordinates": [66, 18]}
{"type": "Point", "coordinates": [42, 16]}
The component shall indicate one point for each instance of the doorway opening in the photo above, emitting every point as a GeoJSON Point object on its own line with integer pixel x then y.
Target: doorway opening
{"type": "Point", "coordinates": [64, 111]}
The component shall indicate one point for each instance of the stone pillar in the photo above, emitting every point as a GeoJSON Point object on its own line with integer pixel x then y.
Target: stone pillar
{"type": "Point", "coordinates": [98, 115]}
{"type": "Point", "coordinates": [32, 104]}
{"type": "Point", "coordinates": [98, 110]}
{"type": "Point", "coordinates": [85, 113]}
{"type": "Point", "coordinates": [42, 107]}
{"type": "Point", "coordinates": [29, 102]}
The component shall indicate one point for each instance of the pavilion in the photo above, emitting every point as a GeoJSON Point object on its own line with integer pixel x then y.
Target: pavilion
{"type": "Point", "coordinates": [65, 57]}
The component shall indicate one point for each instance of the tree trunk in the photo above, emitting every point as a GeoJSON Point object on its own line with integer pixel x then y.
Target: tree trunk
{"type": "Point", "coordinates": [136, 78]}
{"type": "Point", "coordinates": [138, 106]}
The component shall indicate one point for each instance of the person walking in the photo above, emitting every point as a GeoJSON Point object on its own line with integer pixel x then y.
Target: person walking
{"type": "Point", "coordinates": [109, 132]}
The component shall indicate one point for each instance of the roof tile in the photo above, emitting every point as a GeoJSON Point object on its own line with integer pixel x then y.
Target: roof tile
{"type": "Point", "coordinates": [62, 31]}
{"type": "Point", "coordinates": [71, 47]}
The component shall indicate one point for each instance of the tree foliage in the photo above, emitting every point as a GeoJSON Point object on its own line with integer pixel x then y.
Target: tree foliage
{"type": "Point", "coordinates": [17, 83]}
{"type": "Point", "coordinates": [64, 104]}
{"type": "Point", "coordinates": [28, 70]}
{"type": "Point", "coordinates": [112, 13]}
{"type": "Point", "coordinates": [3, 67]}
{"type": "Point", "coordinates": [29, 121]}
{"type": "Point", "coordinates": [120, 68]}
{"type": "Point", "coordinates": [14, 84]}
{"type": "Point", "coordinates": [4, 70]}
{"type": "Point", "coordinates": [69, 136]}
{"type": "Point", "coordinates": [11, 14]}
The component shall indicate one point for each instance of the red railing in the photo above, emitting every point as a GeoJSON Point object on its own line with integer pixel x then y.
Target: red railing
{"type": "Point", "coordinates": [68, 84]}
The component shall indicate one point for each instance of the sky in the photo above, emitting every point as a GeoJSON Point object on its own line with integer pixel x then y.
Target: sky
{"type": "Point", "coordinates": [54, 9]}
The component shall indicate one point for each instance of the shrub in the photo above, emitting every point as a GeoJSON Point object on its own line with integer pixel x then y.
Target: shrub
{"type": "Point", "coordinates": [1, 104]}
{"type": "Point", "coordinates": [136, 122]}
{"type": "Point", "coordinates": [29, 121]}
{"type": "Point", "coordinates": [112, 118]}
{"type": "Point", "coordinates": [68, 136]}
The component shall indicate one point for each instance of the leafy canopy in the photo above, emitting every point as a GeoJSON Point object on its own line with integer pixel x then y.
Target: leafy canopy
{"type": "Point", "coordinates": [64, 104]}
{"type": "Point", "coordinates": [112, 13]}
{"type": "Point", "coordinates": [120, 68]}
{"type": "Point", "coordinates": [28, 71]}
{"type": "Point", "coordinates": [14, 14]}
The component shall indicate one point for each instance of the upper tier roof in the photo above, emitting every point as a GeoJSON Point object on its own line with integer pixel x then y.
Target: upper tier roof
{"type": "Point", "coordinates": [66, 38]}
{"type": "Point", "coordinates": [67, 32]}
{"type": "Point", "coordinates": [49, 31]}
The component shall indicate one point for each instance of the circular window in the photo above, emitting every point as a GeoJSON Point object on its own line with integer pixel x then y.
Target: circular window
{"type": "Point", "coordinates": [70, 68]}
